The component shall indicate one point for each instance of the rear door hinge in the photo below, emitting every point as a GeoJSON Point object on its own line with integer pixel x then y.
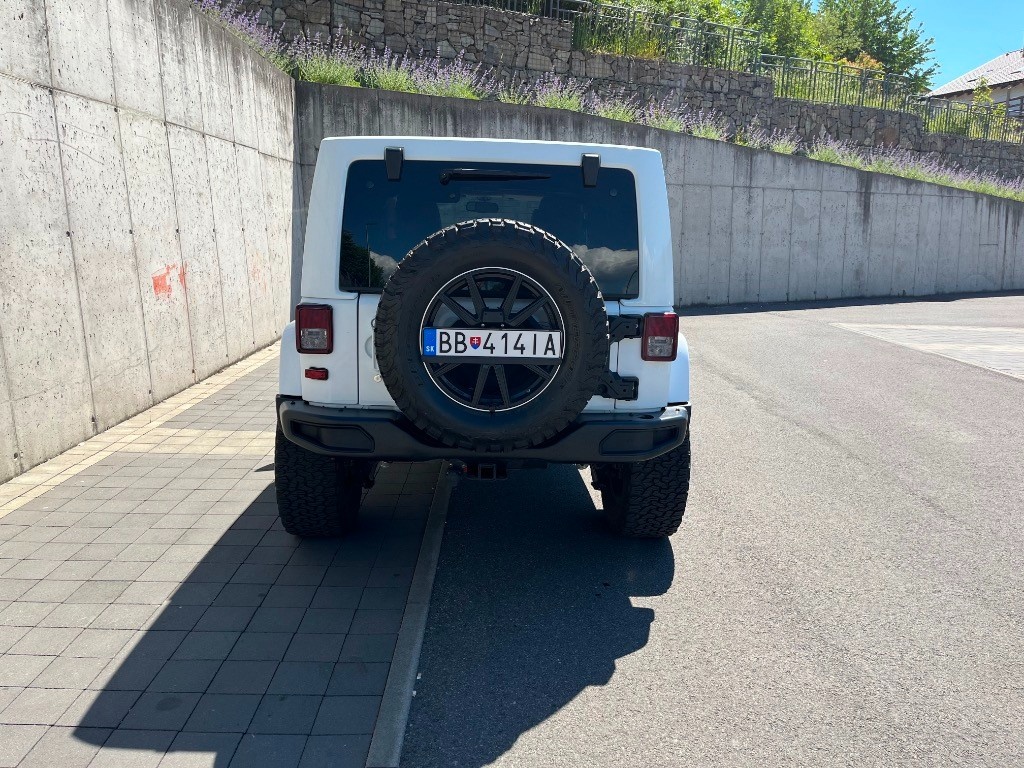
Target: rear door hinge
{"type": "Point", "coordinates": [624, 327]}
{"type": "Point", "coordinates": [618, 387]}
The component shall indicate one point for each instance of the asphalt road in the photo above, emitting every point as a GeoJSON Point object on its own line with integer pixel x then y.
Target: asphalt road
{"type": "Point", "coordinates": [846, 588]}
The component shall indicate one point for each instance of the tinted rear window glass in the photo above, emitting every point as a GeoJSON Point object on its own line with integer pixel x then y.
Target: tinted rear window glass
{"type": "Point", "coordinates": [383, 220]}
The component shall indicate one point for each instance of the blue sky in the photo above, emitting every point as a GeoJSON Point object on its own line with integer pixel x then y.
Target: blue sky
{"type": "Point", "coordinates": [969, 32]}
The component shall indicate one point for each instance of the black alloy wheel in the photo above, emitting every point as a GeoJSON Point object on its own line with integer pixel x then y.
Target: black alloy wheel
{"type": "Point", "coordinates": [493, 306]}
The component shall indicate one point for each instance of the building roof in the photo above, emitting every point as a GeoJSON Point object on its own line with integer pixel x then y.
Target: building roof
{"type": "Point", "coordinates": [1002, 70]}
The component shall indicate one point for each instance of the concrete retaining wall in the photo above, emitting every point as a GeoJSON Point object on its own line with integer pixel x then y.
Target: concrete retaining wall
{"type": "Point", "coordinates": [156, 174]}
{"type": "Point", "coordinates": [145, 212]}
{"type": "Point", "coordinates": [748, 225]}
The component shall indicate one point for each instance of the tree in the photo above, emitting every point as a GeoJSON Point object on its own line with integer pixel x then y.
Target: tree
{"type": "Point", "coordinates": [787, 26]}
{"type": "Point", "coordinates": [881, 29]}
{"type": "Point", "coordinates": [716, 11]}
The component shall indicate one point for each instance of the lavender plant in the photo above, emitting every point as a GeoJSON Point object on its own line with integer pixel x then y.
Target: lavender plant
{"type": "Point", "coordinates": [617, 106]}
{"type": "Point", "coordinates": [660, 114]}
{"type": "Point", "coordinates": [909, 165]}
{"type": "Point", "coordinates": [246, 25]}
{"type": "Point", "coordinates": [706, 124]}
{"type": "Point", "coordinates": [513, 91]}
{"type": "Point", "coordinates": [389, 72]}
{"type": "Point", "coordinates": [316, 62]}
{"type": "Point", "coordinates": [559, 92]}
{"type": "Point", "coordinates": [456, 77]}
{"type": "Point", "coordinates": [778, 140]}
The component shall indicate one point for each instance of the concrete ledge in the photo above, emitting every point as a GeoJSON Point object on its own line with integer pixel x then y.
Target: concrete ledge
{"type": "Point", "coordinates": [389, 733]}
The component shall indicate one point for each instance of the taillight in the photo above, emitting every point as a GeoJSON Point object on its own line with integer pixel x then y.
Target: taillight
{"type": "Point", "coordinates": [314, 334]}
{"type": "Point", "coordinates": [317, 374]}
{"type": "Point", "coordinates": [661, 336]}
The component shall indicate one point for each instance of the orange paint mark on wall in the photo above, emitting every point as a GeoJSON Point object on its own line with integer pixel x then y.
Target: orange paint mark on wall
{"type": "Point", "coordinates": [163, 280]}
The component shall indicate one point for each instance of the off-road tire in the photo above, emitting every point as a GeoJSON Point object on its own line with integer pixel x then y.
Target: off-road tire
{"type": "Point", "coordinates": [317, 496]}
{"type": "Point", "coordinates": [646, 499]}
{"type": "Point", "coordinates": [479, 244]}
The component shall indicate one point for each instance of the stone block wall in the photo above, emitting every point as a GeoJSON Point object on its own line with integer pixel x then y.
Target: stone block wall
{"type": "Point", "coordinates": [524, 46]}
{"type": "Point", "coordinates": [978, 154]}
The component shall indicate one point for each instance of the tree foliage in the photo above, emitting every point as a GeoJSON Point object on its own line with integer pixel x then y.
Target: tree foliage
{"type": "Point", "coordinates": [786, 25]}
{"type": "Point", "coordinates": [881, 29]}
{"type": "Point", "coordinates": [836, 30]}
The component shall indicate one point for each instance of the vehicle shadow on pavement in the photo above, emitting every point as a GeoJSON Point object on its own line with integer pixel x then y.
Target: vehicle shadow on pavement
{"type": "Point", "coordinates": [531, 606]}
{"type": "Point", "coordinates": [270, 650]}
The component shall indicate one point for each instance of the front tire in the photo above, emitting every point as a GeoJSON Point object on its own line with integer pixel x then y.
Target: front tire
{"type": "Point", "coordinates": [646, 499]}
{"type": "Point", "coordinates": [317, 496]}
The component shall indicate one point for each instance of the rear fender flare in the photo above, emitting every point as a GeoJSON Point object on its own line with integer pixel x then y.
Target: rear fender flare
{"type": "Point", "coordinates": [290, 370]}
{"type": "Point", "coordinates": [679, 375]}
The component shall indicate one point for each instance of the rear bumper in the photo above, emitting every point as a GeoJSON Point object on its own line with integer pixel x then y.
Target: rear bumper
{"type": "Point", "coordinates": [387, 435]}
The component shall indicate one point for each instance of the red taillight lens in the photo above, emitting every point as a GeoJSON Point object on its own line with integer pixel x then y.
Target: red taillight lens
{"type": "Point", "coordinates": [661, 337]}
{"type": "Point", "coordinates": [317, 374]}
{"type": "Point", "coordinates": [314, 329]}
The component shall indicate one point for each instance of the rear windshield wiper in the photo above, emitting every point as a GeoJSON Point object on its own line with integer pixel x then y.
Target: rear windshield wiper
{"type": "Point", "coordinates": [480, 174]}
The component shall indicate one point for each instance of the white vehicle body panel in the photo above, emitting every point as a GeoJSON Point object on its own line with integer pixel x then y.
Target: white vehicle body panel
{"type": "Point", "coordinates": [354, 378]}
{"type": "Point", "coordinates": [289, 374]}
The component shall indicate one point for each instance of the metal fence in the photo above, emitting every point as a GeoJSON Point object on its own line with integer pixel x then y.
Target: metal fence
{"type": "Point", "coordinates": [563, 10]}
{"type": "Point", "coordinates": [833, 83]}
{"type": "Point", "coordinates": [644, 33]}
{"type": "Point", "coordinates": [648, 34]}
{"type": "Point", "coordinates": [975, 121]}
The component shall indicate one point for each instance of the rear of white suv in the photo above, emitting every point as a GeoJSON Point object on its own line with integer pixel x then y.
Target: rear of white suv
{"type": "Point", "coordinates": [493, 302]}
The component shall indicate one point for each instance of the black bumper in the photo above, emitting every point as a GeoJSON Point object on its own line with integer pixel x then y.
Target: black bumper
{"type": "Point", "coordinates": [386, 435]}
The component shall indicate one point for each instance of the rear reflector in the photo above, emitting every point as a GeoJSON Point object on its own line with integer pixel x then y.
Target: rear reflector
{"type": "Point", "coordinates": [661, 337]}
{"type": "Point", "coordinates": [317, 374]}
{"type": "Point", "coordinates": [314, 329]}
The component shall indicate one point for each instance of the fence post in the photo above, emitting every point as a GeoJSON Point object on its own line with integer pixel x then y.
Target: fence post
{"type": "Point", "coordinates": [629, 30]}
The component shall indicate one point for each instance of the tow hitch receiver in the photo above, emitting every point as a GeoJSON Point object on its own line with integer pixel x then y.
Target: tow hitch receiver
{"type": "Point", "coordinates": [485, 470]}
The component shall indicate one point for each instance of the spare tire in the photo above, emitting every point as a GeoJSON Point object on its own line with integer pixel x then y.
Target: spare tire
{"type": "Point", "coordinates": [498, 283]}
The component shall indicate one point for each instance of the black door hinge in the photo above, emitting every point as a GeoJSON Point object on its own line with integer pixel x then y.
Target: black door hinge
{"type": "Point", "coordinates": [624, 327]}
{"type": "Point", "coordinates": [619, 387]}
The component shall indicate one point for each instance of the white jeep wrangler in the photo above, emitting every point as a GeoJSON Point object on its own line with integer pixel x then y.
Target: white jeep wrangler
{"type": "Point", "coordinates": [494, 303]}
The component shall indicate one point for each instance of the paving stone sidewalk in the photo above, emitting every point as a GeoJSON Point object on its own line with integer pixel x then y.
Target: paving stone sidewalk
{"type": "Point", "coordinates": [153, 611]}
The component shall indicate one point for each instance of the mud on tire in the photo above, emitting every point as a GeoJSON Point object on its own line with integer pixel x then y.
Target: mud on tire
{"type": "Point", "coordinates": [317, 496]}
{"type": "Point", "coordinates": [646, 499]}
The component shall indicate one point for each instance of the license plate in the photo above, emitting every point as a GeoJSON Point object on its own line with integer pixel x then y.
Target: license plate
{"type": "Point", "coordinates": [449, 342]}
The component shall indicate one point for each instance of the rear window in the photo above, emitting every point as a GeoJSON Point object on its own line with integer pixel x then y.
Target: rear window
{"type": "Point", "coordinates": [383, 220]}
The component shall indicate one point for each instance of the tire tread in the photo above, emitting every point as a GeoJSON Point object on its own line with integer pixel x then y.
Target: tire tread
{"type": "Point", "coordinates": [652, 498]}
{"type": "Point", "coordinates": [316, 496]}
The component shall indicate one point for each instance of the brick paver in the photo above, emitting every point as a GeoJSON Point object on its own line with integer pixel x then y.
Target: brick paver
{"type": "Point", "coordinates": [153, 611]}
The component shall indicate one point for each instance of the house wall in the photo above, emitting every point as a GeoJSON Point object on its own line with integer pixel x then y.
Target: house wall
{"type": "Point", "coordinates": [145, 212]}
{"type": "Point", "coordinates": [1000, 94]}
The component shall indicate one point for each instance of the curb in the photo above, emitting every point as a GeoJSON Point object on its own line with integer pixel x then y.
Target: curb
{"type": "Point", "coordinates": [389, 731]}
